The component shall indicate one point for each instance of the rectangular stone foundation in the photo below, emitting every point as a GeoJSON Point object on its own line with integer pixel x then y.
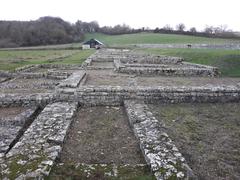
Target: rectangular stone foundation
{"type": "Point", "coordinates": [101, 135]}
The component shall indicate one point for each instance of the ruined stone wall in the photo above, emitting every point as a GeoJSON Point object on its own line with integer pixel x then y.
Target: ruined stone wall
{"type": "Point", "coordinates": [41, 99]}
{"type": "Point", "coordinates": [115, 95]}
{"type": "Point", "coordinates": [183, 69]}
{"type": "Point", "coordinates": [169, 71]}
{"type": "Point", "coordinates": [5, 74]}
{"type": "Point", "coordinates": [149, 59]}
{"type": "Point", "coordinates": [159, 151]}
{"type": "Point", "coordinates": [35, 153]}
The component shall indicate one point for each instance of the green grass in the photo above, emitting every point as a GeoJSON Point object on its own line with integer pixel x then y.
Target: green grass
{"type": "Point", "coordinates": [9, 60]}
{"type": "Point", "coordinates": [228, 61]}
{"type": "Point", "coordinates": [153, 38]}
{"type": "Point", "coordinates": [77, 58]}
{"type": "Point", "coordinates": [70, 46]}
{"type": "Point", "coordinates": [98, 171]}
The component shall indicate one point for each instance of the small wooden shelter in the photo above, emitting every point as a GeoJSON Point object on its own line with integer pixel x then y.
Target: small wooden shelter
{"type": "Point", "coordinates": [92, 43]}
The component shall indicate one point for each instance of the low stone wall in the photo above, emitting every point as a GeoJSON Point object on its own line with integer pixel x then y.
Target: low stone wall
{"type": "Point", "coordinates": [170, 71]}
{"type": "Point", "coordinates": [147, 65]}
{"type": "Point", "coordinates": [183, 69]}
{"type": "Point", "coordinates": [115, 95]}
{"type": "Point", "coordinates": [12, 128]}
{"type": "Point", "coordinates": [27, 68]}
{"type": "Point", "coordinates": [47, 75]}
{"type": "Point", "coordinates": [97, 68]}
{"type": "Point", "coordinates": [199, 65]}
{"type": "Point", "coordinates": [87, 62]}
{"type": "Point", "coordinates": [102, 59]}
{"type": "Point", "coordinates": [149, 59]}
{"type": "Point", "coordinates": [100, 56]}
{"type": "Point", "coordinates": [61, 66]}
{"type": "Point", "coordinates": [74, 80]}
{"type": "Point", "coordinates": [5, 74]}
{"type": "Point", "coordinates": [28, 72]}
{"type": "Point", "coordinates": [117, 64]}
{"type": "Point", "coordinates": [35, 153]}
{"type": "Point", "coordinates": [4, 79]}
{"type": "Point", "coordinates": [40, 99]}
{"type": "Point", "coordinates": [160, 153]}
{"type": "Point", "coordinates": [31, 68]}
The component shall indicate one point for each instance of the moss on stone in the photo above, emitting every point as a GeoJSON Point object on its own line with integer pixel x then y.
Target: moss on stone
{"type": "Point", "coordinates": [16, 169]}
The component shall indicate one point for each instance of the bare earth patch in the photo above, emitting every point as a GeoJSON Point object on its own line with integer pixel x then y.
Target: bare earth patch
{"type": "Point", "coordinates": [101, 135]}
{"type": "Point", "coordinates": [207, 135]}
{"type": "Point", "coordinates": [106, 77]}
{"type": "Point", "coordinates": [103, 64]}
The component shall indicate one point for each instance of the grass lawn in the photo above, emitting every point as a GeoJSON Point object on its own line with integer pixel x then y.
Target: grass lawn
{"type": "Point", "coordinates": [153, 38]}
{"type": "Point", "coordinates": [228, 61]}
{"type": "Point", "coordinates": [9, 60]}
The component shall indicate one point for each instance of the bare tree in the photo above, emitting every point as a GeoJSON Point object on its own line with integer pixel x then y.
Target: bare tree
{"type": "Point", "coordinates": [180, 27]}
{"type": "Point", "coordinates": [167, 27]}
{"type": "Point", "coordinates": [221, 29]}
{"type": "Point", "coordinates": [209, 29]}
{"type": "Point", "coordinates": [193, 30]}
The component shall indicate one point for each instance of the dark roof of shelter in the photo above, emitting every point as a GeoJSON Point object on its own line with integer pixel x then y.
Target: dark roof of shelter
{"type": "Point", "coordinates": [93, 41]}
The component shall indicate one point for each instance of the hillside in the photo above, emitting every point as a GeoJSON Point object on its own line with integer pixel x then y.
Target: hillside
{"type": "Point", "coordinates": [154, 38]}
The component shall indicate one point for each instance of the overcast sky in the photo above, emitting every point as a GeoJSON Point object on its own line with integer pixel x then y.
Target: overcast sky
{"type": "Point", "coordinates": [136, 13]}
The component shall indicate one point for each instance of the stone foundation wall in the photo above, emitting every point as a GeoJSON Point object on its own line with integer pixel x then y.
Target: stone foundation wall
{"type": "Point", "coordinates": [102, 59]}
{"type": "Point", "coordinates": [30, 68]}
{"type": "Point", "coordinates": [74, 80]}
{"type": "Point", "coordinates": [183, 69]}
{"type": "Point", "coordinates": [87, 62]}
{"type": "Point", "coordinates": [13, 127]}
{"type": "Point", "coordinates": [42, 99]}
{"type": "Point", "coordinates": [28, 71]}
{"type": "Point", "coordinates": [35, 153]}
{"type": "Point", "coordinates": [5, 74]}
{"type": "Point", "coordinates": [115, 95]}
{"type": "Point", "coordinates": [170, 71]}
{"type": "Point", "coordinates": [159, 151]}
{"type": "Point", "coordinates": [149, 59]}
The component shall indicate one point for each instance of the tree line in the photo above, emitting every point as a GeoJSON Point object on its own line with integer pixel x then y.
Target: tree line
{"type": "Point", "coordinates": [44, 31]}
{"type": "Point", "coordinates": [209, 31]}
{"type": "Point", "coordinates": [54, 30]}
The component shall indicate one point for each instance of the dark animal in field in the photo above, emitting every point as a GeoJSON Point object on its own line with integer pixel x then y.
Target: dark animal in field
{"type": "Point", "coordinates": [189, 45]}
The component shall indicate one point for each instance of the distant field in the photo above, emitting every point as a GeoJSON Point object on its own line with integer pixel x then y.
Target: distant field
{"type": "Point", "coordinates": [228, 61]}
{"type": "Point", "coordinates": [9, 60]}
{"type": "Point", "coordinates": [153, 38]}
